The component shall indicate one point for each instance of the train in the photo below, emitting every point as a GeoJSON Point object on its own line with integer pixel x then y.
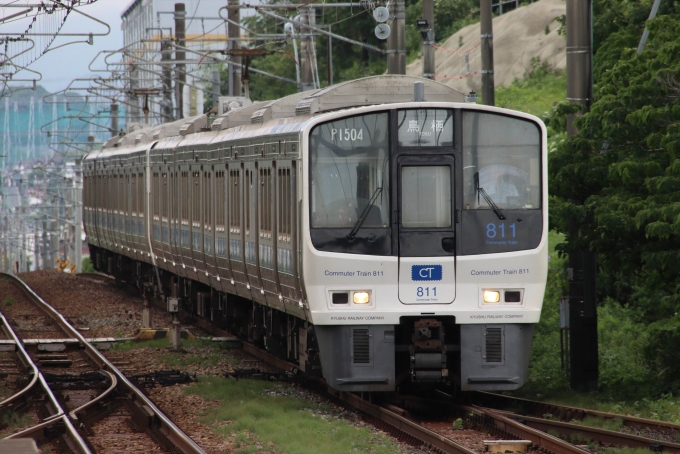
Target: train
{"type": "Point", "coordinates": [382, 233]}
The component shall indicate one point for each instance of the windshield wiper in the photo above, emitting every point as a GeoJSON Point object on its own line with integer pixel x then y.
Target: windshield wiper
{"type": "Point", "coordinates": [363, 215]}
{"type": "Point", "coordinates": [488, 200]}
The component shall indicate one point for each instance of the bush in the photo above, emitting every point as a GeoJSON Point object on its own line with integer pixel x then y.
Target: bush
{"type": "Point", "coordinates": [661, 347]}
{"type": "Point", "coordinates": [87, 266]}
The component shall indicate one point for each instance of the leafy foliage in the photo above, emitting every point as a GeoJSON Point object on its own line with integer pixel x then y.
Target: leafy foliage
{"type": "Point", "coordinates": [619, 177]}
{"type": "Point", "coordinates": [449, 17]}
{"type": "Point", "coordinates": [349, 61]}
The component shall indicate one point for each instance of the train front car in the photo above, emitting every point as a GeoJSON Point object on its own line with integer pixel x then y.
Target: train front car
{"type": "Point", "coordinates": [425, 256]}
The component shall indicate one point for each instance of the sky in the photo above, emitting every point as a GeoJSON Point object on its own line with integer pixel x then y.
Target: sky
{"type": "Point", "coordinates": [61, 66]}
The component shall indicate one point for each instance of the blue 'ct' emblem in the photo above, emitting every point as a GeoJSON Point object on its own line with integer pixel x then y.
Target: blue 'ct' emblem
{"type": "Point", "coordinates": [426, 273]}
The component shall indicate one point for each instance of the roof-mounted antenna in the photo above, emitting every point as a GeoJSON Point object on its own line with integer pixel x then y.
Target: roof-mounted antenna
{"type": "Point", "coordinates": [418, 92]}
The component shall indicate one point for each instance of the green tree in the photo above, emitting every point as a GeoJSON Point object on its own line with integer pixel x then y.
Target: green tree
{"type": "Point", "coordinates": [620, 176]}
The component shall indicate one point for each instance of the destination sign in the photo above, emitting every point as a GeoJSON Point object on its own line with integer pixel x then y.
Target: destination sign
{"type": "Point", "coordinates": [425, 128]}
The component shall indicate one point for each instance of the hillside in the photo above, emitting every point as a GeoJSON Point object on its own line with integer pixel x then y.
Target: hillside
{"type": "Point", "coordinates": [519, 36]}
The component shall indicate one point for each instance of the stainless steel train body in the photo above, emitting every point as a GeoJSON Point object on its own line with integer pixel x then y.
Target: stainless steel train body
{"type": "Point", "coordinates": [378, 241]}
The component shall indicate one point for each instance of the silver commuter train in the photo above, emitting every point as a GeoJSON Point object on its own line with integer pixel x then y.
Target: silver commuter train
{"type": "Point", "coordinates": [379, 241]}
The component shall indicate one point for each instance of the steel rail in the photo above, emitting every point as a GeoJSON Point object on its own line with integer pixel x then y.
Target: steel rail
{"type": "Point", "coordinates": [537, 437]}
{"type": "Point", "coordinates": [596, 434]}
{"type": "Point", "coordinates": [71, 435]}
{"type": "Point", "coordinates": [401, 424]}
{"type": "Point", "coordinates": [391, 418]}
{"type": "Point", "coordinates": [176, 436]}
{"type": "Point", "coordinates": [567, 412]}
{"type": "Point", "coordinates": [100, 398]}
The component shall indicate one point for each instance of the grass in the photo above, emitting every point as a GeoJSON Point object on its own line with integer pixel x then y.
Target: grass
{"type": "Point", "coordinates": [132, 345]}
{"type": "Point", "coordinates": [212, 354]}
{"type": "Point", "coordinates": [268, 416]}
{"type": "Point", "coordinates": [11, 419]}
{"type": "Point", "coordinates": [600, 423]}
{"type": "Point", "coordinates": [623, 377]}
{"type": "Point", "coordinates": [541, 88]}
{"type": "Point", "coordinates": [87, 266]}
{"type": "Point", "coordinates": [159, 343]}
{"type": "Point", "coordinates": [8, 301]}
{"type": "Point", "coordinates": [212, 357]}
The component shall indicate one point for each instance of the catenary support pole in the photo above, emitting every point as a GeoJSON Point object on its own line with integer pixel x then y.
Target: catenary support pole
{"type": "Point", "coordinates": [36, 245]}
{"type": "Point", "coordinates": [428, 43]}
{"type": "Point", "coordinates": [166, 103]}
{"type": "Point", "coordinates": [582, 268]}
{"type": "Point", "coordinates": [216, 88]}
{"type": "Point", "coordinates": [234, 15]}
{"type": "Point", "coordinates": [306, 76]}
{"type": "Point", "coordinates": [396, 42]}
{"type": "Point", "coordinates": [486, 29]}
{"type": "Point", "coordinates": [78, 209]}
{"type": "Point", "coordinates": [180, 55]}
{"type": "Point", "coordinates": [114, 119]}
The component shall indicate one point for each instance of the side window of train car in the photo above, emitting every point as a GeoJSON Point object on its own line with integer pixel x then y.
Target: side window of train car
{"type": "Point", "coordinates": [234, 202]}
{"type": "Point", "coordinates": [265, 203]}
{"type": "Point", "coordinates": [349, 190]}
{"type": "Point", "coordinates": [285, 211]}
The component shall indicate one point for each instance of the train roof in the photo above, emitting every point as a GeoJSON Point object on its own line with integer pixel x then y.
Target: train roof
{"type": "Point", "coordinates": [286, 114]}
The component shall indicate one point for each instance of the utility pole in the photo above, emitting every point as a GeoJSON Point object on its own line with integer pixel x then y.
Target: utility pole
{"type": "Point", "coordinates": [47, 263]}
{"type": "Point", "coordinates": [234, 15]}
{"type": "Point", "coordinates": [36, 245]}
{"type": "Point", "coordinates": [78, 215]}
{"type": "Point", "coordinates": [582, 269]}
{"type": "Point", "coordinates": [216, 88]}
{"type": "Point", "coordinates": [330, 57]}
{"type": "Point", "coordinates": [134, 99]}
{"type": "Point", "coordinates": [180, 55]}
{"type": "Point", "coordinates": [396, 42]}
{"type": "Point", "coordinates": [114, 119]}
{"type": "Point", "coordinates": [306, 76]}
{"type": "Point", "coordinates": [166, 103]}
{"type": "Point", "coordinates": [486, 29]}
{"type": "Point", "coordinates": [428, 40]}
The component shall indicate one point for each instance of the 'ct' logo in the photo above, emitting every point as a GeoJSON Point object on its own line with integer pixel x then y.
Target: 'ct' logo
{"type": "Point", "coordinates": [426, 273]}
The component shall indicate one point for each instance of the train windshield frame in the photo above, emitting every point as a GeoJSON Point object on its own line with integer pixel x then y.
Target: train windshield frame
{"type": "Point", "coordinates": [350, 184]}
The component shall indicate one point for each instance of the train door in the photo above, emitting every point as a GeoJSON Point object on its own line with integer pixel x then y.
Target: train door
{"type": "Point", "coordinates": [425, 207]}
{"type": "Point", "coordinates": [251, 240]}
{"type": "Point", "coordinates": [236, 185]}
{"type": "Point", "coordinates": [185, 220]}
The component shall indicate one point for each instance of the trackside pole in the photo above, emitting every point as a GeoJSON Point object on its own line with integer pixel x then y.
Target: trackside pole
{"type": "Point", "coordinates": [584, 359]}
{"type": "Point", "coordinates": [147, 321]}
{"type": "Point", "coordinates": [173, 308]}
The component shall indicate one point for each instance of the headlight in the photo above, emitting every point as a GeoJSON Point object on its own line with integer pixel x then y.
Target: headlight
{"type": "Point", "coordinates": [361, 298]}
{"type": "Point", "coordinates": [492, 296]}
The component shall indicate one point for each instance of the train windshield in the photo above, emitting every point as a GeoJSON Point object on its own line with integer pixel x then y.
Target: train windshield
{"type": "Point", "coordinates": [501, 159]}
{"type": "Point", "coordinates": [349, 160]}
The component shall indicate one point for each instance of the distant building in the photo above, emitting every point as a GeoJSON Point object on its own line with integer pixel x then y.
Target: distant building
{"type": "Point", "coordinates": [146, 24]}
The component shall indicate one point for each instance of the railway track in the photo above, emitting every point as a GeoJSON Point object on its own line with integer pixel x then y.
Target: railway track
{"type": "Point", "coordinates": [85, 411]}
{"type": "Point", "coordinates": [387, 417]}
{"type": "Point", "coordinates": [487, 415]}
{"type": "Point", "coordinates": [634, 432]}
